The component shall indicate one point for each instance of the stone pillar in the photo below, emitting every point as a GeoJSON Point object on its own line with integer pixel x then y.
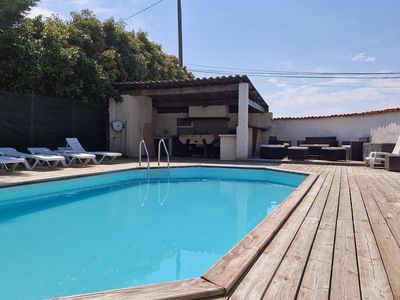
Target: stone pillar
{"type": "Point", "coordinates": [242, 130]}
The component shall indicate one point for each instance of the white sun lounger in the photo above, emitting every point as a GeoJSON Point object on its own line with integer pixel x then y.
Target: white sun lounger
{"type": "Point", "coordinates": [5, 161]}
{"type": "Point", "coordinates": [376, 158]}
{"type": "Point", "coordinates": [74, 144]}
{"type": "Point", "coordinates": [50, 160]}
{"type": "Point", "coordinates": [70, 157]}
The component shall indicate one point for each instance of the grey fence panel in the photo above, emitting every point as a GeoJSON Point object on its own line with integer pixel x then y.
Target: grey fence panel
{"type": "Point", "coordinates": [38, 121]}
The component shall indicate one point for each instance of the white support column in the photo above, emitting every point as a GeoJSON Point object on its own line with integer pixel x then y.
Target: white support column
{"type": "Point", "coordinates": [242, 130]}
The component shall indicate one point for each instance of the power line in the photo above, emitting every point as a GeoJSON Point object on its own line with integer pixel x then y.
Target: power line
{"type": "Point", "coordinates": [274, 75]}
{"type": "Point", "coordinates": [263, 71]}
{"type": "Point", "coordinates": [345, 86]}
{"type": "Point", "coordinates": [327, 85]}
{"type": "Point", "coordinates": [143, 10]}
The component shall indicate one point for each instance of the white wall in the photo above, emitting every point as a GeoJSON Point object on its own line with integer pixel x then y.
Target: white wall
{"type": "Point", "coordinates": [209, 111]}
{"type": "Point", "coordinates": [261, 120]}
{"type": "Point", "coordinates": [165, 124]}
{"type": "Point", "coordinates": [381, 128]}
{"type": "Point", "coordinates": [135, 111]}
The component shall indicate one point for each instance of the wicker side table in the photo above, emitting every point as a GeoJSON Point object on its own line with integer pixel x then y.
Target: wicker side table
{"type": "Point", "coordinates": [297, 153]}
{"type": "Point", "coordinates": [273, 151]}
{"type": "Point", "coordinates": [334, 153]}
{"type": "Point", "coordinates": [392, 162]}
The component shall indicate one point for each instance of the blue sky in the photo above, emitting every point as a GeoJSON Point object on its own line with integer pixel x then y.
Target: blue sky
{"type": "Point", "coordinates": [288, 35]}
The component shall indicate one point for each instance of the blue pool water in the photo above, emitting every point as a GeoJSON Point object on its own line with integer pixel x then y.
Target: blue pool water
{"type": "Point", "coordinates": [119, 230]}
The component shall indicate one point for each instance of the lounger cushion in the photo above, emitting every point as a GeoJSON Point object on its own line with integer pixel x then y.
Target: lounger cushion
{"type": "Point", "coordinates": [10, 160]}
{"type": "Point", "coordinates": [111, 154]}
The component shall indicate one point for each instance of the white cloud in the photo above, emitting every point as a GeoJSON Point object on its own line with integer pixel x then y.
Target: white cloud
{"type": "Point", "coordinates": [306, 100]}
{"type": "Point", "coordinates": [38, 10]}
{"type": "Point", "coordinates": [362, 57]}
{"type": "Point", "coordinates": [102, 8]}
{"type": "Point", "coordinates": [322, 69]}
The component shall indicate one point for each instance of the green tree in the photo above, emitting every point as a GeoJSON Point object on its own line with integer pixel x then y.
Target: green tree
{"type": "Point", "coordinates": [80, 58]}
{"type": "Point", "coordinates": [11, 11]}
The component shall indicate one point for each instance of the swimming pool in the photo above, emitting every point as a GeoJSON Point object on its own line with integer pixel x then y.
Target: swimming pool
{"type": "Point", "coordinates": [127, 229]}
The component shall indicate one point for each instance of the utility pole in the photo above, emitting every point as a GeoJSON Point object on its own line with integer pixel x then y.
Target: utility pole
{"type": "Point", "coordinates": [180, 32]}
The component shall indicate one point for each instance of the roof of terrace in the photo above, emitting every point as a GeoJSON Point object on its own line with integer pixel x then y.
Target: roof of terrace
{"type": "Point", "coordinates": [170, 95]}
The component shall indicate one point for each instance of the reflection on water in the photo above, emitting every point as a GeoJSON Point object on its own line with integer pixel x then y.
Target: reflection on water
{"type": "Point", "coordinates": [126, 234]}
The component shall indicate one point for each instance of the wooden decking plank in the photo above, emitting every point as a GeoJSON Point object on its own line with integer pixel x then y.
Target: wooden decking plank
{"type": "Point", "coordinates": [387, 244]}
{"type": "Point", "coordinates": [391, 189]}
{"type": "Point", "coordinates": [285, 283]}
{"type": "Point", "coordinates": [251, 287]}
{"type": "Point", "coordinates": [179, 290]}
{"type": "Point", "coordinates": [374, 282]}
{"type": "Point", "coordinates": [390, 212]}
{"type": "Point", "coordinates": [317, 275]}
{"type": "Point", "coordinates": [392, 195]}
{"type": "Point", "coordinates": [345, 278]}
{"type": "Point", "coordinates": [235, 263]}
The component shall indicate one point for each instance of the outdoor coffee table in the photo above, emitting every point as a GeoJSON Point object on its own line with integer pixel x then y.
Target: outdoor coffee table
{"type": "Point", "coordinates": [273, 151]}
{"type": "Point", "coordinates": [297, 153]}
{"type": "Point", "coordinates": [314, 149]}
{"type": "Point", "coordinates": [333, 153]}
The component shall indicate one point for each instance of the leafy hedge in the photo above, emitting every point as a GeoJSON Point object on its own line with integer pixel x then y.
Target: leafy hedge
{"type": "Point", "coordinates": [79, 58]}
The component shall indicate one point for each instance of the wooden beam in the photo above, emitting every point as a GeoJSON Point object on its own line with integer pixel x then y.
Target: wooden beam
{"type": "Point", "coordinates": [170, 110]}
{"type": "Point", "coordinates": [185, 90]}
{"type": "Point", "coordinates": [256, 106]}
{"type": "Point", "coordinates": [176, 103]}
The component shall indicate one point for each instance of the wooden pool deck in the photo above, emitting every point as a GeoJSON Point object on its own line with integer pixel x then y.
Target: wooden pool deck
{"type": "Point", "coordinates": [341, 241]}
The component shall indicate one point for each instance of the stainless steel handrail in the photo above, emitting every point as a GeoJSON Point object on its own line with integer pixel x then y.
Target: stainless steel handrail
{"type": "Point", "coordinates": [159, 151]}
{"type": "Point", "coordinates": [142, 142]}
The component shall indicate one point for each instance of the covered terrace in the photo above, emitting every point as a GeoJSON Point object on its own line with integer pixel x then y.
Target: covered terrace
{"type": "Point", "coordinates": [226, 113]}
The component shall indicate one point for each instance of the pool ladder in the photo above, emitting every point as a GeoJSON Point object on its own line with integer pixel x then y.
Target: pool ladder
{"type": "Point", "coordinates": [142, 142]}
{"type": "Point", "coordinates": [159, 152]}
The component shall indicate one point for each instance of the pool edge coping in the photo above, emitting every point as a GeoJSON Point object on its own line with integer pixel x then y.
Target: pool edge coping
{"type": "Point", "coordinates": [226, 272]}
{"type": "Point", "coordinates": [131, 168]}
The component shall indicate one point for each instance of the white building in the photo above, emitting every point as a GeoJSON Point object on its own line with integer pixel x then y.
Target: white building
{"type": "Point", "coordinates": [225, 117]}
{"type": "Point", "coordinates": [196, 116]}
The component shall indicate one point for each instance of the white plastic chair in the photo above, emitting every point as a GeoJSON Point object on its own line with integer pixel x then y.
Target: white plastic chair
{"type": "Point", "coordinates": [376, 157]}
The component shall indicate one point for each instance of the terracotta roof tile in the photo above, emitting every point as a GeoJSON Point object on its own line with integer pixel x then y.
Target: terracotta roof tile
{"type": "Point", "coordinates": [141, 85]}
{"type": "Point", "coordinates": [366, 113]}
{"type": "Point", "coordinates": [207, 81]}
